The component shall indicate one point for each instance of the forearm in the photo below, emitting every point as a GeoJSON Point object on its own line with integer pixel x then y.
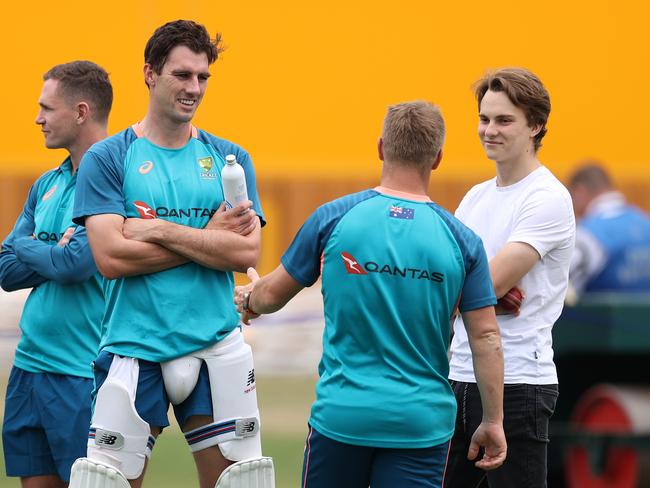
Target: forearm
{"type": "Point", "coordinates": [266, 298]}
{"type": "Point", "coordinates": [116, 256]}
{"type": "Point", "coordinates": [131, 258]}
{"type": "Point", "coordinates": [268, 294]}
{"type": "Point", "coordinates": [217, 249]}
{"type": "Point", "coordinates": [487, 356]}
{"type": "Point", "coordinates": [510, 265]}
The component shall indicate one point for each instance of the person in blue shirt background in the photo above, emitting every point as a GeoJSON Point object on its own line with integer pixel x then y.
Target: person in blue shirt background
{"type": "Point", "coordinates": [47, 407]}
{"type": "Point", "coordinates": [612, 250]}
{"type": "Point", "coordinates": [394, 267]}
{"type": "Point", "coordinates": [152, 202]}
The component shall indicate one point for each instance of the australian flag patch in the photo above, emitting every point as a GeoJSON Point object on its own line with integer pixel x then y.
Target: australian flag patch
{"type": "Point", "coordinates": [401, 212]}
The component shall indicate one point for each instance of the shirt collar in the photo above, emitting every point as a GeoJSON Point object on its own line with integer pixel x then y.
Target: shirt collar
{"type": "Point", "coordinates": [402, 194]}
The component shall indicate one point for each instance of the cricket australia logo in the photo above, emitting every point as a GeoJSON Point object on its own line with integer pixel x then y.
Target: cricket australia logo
{"type": "Point", "coordinates": [352, 266]}
{"type": "Point", "coordinates": [145, 211]}
{"type": "Point", "coordinates": [206, 165]}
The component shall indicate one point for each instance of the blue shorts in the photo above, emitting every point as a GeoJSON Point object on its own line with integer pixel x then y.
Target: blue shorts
{"type": "Point", "coordinates": [151, 401]}
{"type": "Point", "coordinates": [329, 463]}
{"type": "Point", "coordinates": [46, 423]}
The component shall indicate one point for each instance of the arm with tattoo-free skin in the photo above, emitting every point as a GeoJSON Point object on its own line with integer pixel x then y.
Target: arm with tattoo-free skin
{"type": "Point", "coordinates": [231, 241]}
{"type": "Point", "coordinates": [128, 247]}
{"type": "Point", "coordinates": [117, 257]}
{"type": "Point", "coordinates": [487, 356]}
{"type": "Point", "coordinates": [271, 293]}
{"type": "Point", "coordinates": [510, 265]}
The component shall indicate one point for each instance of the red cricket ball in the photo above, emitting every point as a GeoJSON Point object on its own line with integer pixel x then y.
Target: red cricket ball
{"type": "Point", "coordinates": [511, 301]}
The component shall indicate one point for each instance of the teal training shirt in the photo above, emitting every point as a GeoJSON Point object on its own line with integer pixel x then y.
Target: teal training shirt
{"type": "Point", "coordinates": [163, 315]}
{"type": "Point", "coordinates": [393, 270]}
{"type": "Point", "coordinates": [61, 320]}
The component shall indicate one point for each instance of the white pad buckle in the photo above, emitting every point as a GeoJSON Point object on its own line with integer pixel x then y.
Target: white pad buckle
{"type": "Point", "coordinates": [87, 473]}
{"type": "Point", "coordinates": [250, 473]}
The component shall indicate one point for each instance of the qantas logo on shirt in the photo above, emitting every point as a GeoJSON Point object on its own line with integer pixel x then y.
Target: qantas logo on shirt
{"type": "Point", "coordinates": [49, 193]}
{"type": "Point", "coordinates": [145, 211]}
{"type": "Point", "coordinates": [145, 167]}
{"type": "Point", "coordinates": [49, 236]}
{"type": "Point", "coordinates": [353, 266]}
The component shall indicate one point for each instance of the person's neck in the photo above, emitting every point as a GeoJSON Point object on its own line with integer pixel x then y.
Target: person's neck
{"type": "Point", "coordinates": [165, 133]}
{"type": "Point", "coordinates": [86, 139]}
{"type": "Point", "coordinates": [405, 179]}
{"type": "Point", "coordinates": [512, 171]}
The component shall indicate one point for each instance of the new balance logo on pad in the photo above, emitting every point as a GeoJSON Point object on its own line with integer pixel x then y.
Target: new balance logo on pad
{"type": "Point", "coordinates": [109, 439]}
{"type": "Point", "coordinates": [247, 427]}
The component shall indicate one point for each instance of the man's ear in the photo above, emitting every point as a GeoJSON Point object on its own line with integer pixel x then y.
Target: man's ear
{"type": "Point", "coordinates": [83, 112]}
{"type": "Point", "coordinates": [436, 163]}
{"type": "Point", "coordinates": [149, 77]}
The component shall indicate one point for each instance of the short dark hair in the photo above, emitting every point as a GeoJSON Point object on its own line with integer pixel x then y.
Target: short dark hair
{"type": "Point", "coordinates": [87, 81]}
{"type": "Point", "coordinates": [180, 33]}
{"type": "Point", "coordinates": [591, 175]}
{"type": "Point", "coordinates": [525, 90]}
{"type": "Point", "coordinates": [413, 132]}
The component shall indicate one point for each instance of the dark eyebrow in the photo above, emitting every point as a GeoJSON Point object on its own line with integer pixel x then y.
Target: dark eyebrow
{"type": "Point", "coordinates": [177, 72]}
{"type": "Point", "coordinates": [43, 105]}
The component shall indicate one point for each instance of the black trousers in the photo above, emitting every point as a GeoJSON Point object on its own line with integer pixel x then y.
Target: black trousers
{"type": "Point", "coordinates": [527, 410]}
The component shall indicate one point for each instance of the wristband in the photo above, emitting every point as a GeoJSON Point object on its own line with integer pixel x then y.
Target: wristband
{"type": "Point", "coordinates": [246, 303]}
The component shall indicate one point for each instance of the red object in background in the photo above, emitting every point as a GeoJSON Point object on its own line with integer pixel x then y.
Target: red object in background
{"type": "Point", "coordinates": [511, 301]}
{"type": "Point", "coordinates": [609, 409]}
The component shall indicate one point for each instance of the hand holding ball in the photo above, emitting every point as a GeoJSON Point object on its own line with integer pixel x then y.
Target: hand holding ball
{"type": "Point", "coordinates": [511, 301]}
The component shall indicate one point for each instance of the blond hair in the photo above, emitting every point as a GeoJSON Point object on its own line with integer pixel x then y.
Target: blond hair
{"type": "Point", "coordinates": [413, 132]}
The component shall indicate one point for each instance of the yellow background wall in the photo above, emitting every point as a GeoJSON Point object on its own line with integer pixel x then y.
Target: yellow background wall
{"type": "Point", "coordinates": [303, 86]}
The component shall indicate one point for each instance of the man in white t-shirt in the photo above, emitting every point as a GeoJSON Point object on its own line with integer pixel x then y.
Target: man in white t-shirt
{"type": "Point", "coordinates": [525, 217]}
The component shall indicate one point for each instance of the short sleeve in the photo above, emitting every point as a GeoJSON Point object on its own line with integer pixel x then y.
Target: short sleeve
{"type": "Point", "coordinates": [478, 290]}
{"type": "Point", "coordinates": [99, 187]}
{"type": "Point", "coordinates": [302, 258]}
{"type": "Point", "coordinates": [545, 221]}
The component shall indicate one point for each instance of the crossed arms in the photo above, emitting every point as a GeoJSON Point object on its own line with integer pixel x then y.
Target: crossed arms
{"type": "Point", "coordinates": [231, 241]}
{"type": "Point", "coordinates": [26, 262]}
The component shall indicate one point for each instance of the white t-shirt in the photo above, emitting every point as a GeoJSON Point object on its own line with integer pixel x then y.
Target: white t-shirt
{"type": "Point", "coordinates": [537, 211]}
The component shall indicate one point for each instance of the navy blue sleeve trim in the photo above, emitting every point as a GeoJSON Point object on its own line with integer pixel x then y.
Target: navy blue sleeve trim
{"type": "Point", "coordinates": [478, 290]}
{"type": "Point", "coordinates": [101, 173]}
{"type": "Point", "coordinates": [302, 259]}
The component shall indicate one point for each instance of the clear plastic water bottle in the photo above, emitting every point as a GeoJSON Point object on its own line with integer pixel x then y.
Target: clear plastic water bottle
{"type": "Point", "coordinates": [233, 181]}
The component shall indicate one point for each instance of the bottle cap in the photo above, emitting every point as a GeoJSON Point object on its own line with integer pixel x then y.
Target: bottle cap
{"type": "Point", "coordinates": [231, 159]}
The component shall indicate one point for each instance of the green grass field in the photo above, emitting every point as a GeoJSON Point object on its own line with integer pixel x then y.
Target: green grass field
{"type": "Point", "coordinates": [284, 404]}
